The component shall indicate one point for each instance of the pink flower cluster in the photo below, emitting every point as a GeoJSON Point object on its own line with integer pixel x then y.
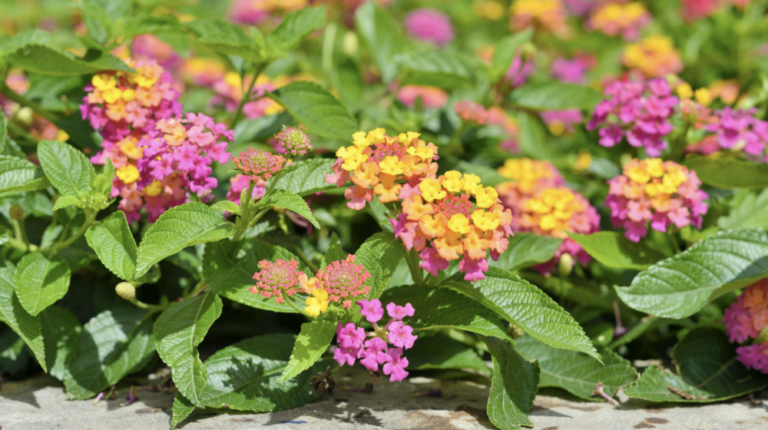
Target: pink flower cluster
{"type": "Point", "coordinates": [376, 350]}
{"type": "Point", "coordinates": [259, 164]}
{"type": "Point", "coordinates": [519, 71]}
{"type": "Point", "coordinates": [277, 278]}
{"type": "Point", "coordinates": [430, 26]}
{"type": "Point", "coordinates": [740, 130]}
{"type": "Point", "coordinates": [745, 319]}
{"type": "Point", "coordinates": [562, 121]}
{"type": "Point", "coordinates": [572, 71]}
{"type": "Point", "coordinates": [471, 112]}
{"type": "Point", "coordinates": [344, 280]}
{"type": "Point", "coordinates": [639, 111]}
{"type": "Point", "coordinates": [431, 97]}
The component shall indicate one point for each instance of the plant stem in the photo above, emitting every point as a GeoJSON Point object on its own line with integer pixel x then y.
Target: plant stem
{"type": "Point", "coordinates": [18, 244]}
{"type": "Point", "coordinates": [202, 285]}
{"type": "Point", "coordinates": [305, 259]}
{"type": "Point", "coordinates": [247, 96]}
{"type": "Point", "coordinates": [412, 258]}
{"type": "Point", "coordinates": [90, 218]}
{"type": "Point", "coordinates": [293, 305]}
{"type": "Point", "coordinates": [672, 239]}
{"type": "Point", "coordinates": [142, 305]}
{"type": "Point", "coordinates": [9, 93]}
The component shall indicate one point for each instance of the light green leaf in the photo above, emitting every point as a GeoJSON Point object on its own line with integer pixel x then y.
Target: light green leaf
{"type": "Point", "coordinates": [67, 168]}
{"type": "Point", "coordinates": [113, 242]}
{"type": "Point", "coordinates": [66, 201]}
{"type": "Point", "coordinates": [179, 330]}
{"type": "Point", "coordinates": [18, 319]}
{"type": "Point", "coordinates": [680, 286]}
{"type": "Point", "coordinates": [287, 200]}
{"type": "Point", "coordinates": [178, 228]}
{"type": "Point", "coordinates": [513, 387]}
{"type": "Point", "coordinates": [18, 174]}
{"type": "Point", "coordinates": [526, 250]}
{"type": "Point", "coordinates": [151, 24]}
{"type": "Point", "coordinates": [223, 37]}
{"type": "Point", "coordinates": [709, 372]}
{"type": "Point", "coordinates": [305, 177]}
{"type": "Point", "coordinates": [527, 307]}
{"type": "Point", "coordinates": [614, 250]}
{"type": "Point", "coordinates": [227, 205]}
{"type": "Point", "coordinates": [533, 136]}
{"type": "Point", "coordinates": [112, 345]}
{"type": "Point", "coordinates": [317, 109]}
{"type": "Point", "coordinates": [384, 39]}
{"type": "Point", "coordinates": [441, 69]}
{"type": "Point", "coordinates": [182, 408]}
{"type": "Point", "coordinates": [729, 172]}
{"type": "Point", "coordinates": [577, 372]}
{"type": "Point", "coordinates": [442, 352]}
{"type": "Point", "coordinates": [294, 27]}
{"type": "Point", "coordinates": [505, 51]}
{"type": "Point", "coordinates": [748, 210]}
{"type": "Point", "coordinates": [41, 280]}
{"type": "Point", "coordinates": [443, 308]}
{"type": "Point", "coordinates": [555, 96]}
{"type": "Point", "coordinates": [313, 341]}
{"type": "Point", "coordinates": [380, 254]}
{"type": "Point", "coordinates": [60, 331]}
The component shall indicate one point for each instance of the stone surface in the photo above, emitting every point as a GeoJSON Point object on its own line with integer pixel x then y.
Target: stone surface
{"type": "Point", "coordinates": [39, 403]}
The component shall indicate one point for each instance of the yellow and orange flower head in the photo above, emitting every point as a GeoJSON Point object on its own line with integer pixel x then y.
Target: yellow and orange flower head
{"type": "Point", "coordinates": [441, 221]}
{"type": "Point", "coordinates": [625, 19]}
{"type": "Point", "coordinates": [654, 56]}
{"type": "Point", "coordinates": [526, 177]}
{"type": "Point", "coordinates": [388, 167]}
{"type": "Point", "coordinates": [546, 15]}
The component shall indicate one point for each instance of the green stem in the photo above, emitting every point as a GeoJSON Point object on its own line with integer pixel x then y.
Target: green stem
{"type": "Point", "coordinates": [18, 244]}
{"type": "Point", "coordinates": [247, 96]}
{"type": "Point", "coordinates": [198, 288]}
{"type": "Point", "coordinates": [672, 239]}
{"type": "Point", "coordinates": [142, 305]}
{"type": "Point", "coordinates": [188, 290]}
{"type": "Point", "coordinates": [90, 218]}
{"type": "Point", "coordinates": [305, 259]}
{"type": "Point", "coordinates": [293, 305]}
{"type": "Point", "coordinates": [412, 258]}
{"type": "Point", "coordinates": [9, 93]}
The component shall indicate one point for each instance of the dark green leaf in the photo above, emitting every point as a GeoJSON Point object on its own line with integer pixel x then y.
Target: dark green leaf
{"type": "Point", "coordinates": [442, 352]}
{"type": "Point", "coordinates": [67, 168]}
{"type": "Point", "coordinates": [614, 250]}
{"type": "Point", "coordinates": [113, 242]}
{"type": "Point", "coordinates": [60, 331]}
{"type": "Point", "coordinates": [729, 172]}
{"type": "Point", "coordinates": [313, 341]}
{"type": "Point", "coordinates": [513, 388]}
{"type": "Point", "coordinates": [317, 109]}
{"type": "Point", "coordinates": [334, 252]}
{"type": "Point", "coordinates": [14, 355]}
{"type": "Point", "coordinates": [287, 200]}
{"type": "Point", "coordinates": [441, 69]}
{"type": "Point", "coordinates": [305, 177]}
{"type": "Point", "coordinates": [294, 27]}
{"type": "Point", "coordinates": [18, 174]}
{"type": "Point", "coordinates": [526, 250]}
{"type": "Point", "coordinates": [226, 38]}
{"type": "Point", "coordinates": [13, 314]}
{"type": "Point", "coordinates": [41, 280]}
{"type": "Point", "coordinates": [556, 96]}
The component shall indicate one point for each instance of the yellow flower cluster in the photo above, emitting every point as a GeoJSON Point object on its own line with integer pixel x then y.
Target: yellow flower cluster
{"type": "Point", "coordinates": [653, 177]}
{"type": "Point", "coordinates": [549, 212]}
{"type": "Point", "coordinates": [527, 174]}
{"type": "Point", "coordinates": [655, 56]}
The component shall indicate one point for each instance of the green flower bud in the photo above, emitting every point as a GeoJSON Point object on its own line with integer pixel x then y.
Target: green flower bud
{"type": "Point", "coordinates": [16, 212]}
{"type": "Point", "coordinates": [565, 266]}
{"type": "Point", "coordinates": [126, 290]}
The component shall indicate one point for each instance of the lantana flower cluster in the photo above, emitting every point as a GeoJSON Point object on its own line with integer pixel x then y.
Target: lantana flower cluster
{"type": "Point", "coordinates": [429, 25]}
{"type": "Point", "coordinates": [384, 345]}
{"type": "Point", "coordinates": [744, 320]}
{"type": "Point", "coordinates": [431, 97]}
{"type": "Point", "coordinates": [625, 19]}
{"type": "Point", "coordinates": [526, 177]}
{"type": "Point", "coordinates": [740, 129]}
{"type": "Point", "coordinates": [548, 15]}
{"type": "Point", "coordinates": [639, 111]}
{"type": "Point", "coordinates": [661, 193]}
{"type": "Point", "coordinates": [377, 163]}
{"type": "Point", "coordinates": [654, 56]}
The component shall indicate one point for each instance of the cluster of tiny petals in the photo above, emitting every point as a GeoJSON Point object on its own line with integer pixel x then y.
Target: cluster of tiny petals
{"type": "Point", "coordinates": [526, 176]}
{"type": "Point", "coordinates": [660, 192]}
{"type": "Point", "coordinates": [431, 97]}
{"type": "Point", "coordinates": [744, 320]}
{"type": "Point", "coordinates": [440, 222]}
{"type": "Point", "coordinates": [471, 112]}
{"type": "Point", "coordinates": [740, 130]}
{"type": "Point", "coordinates": [654, 56]}
{"type": "Point", "coordinates": [277, 278]}
{"type": "Point", "coordinates": [385, 344]}
{"type": "Point", "coordinates": [259, 164]}
{"type": "Point", "coordinates": [388, 167]}
{"type": "Point", "coordinates": [341, 280]}
{"type": "Point", "coordinates": [294, 141]}
{"type": "Point", "coordinates": [639, 111]}
{"type": "Point", "coordinates": [616, 19]}
{"type": "Point", "coordinates": [429, 25]}
{"type": "Point", "coordinates": [548, 15]}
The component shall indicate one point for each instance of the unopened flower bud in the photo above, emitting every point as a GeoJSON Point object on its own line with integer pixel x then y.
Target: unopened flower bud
{"type": "Point", "coordinates": [514, 331]}
{"type": "Point", "coordinates": [565, 265]}
{"type": "Point", "coordinates": [294, 141]}
{"type": "Point", "coordinates": [24, 116]}
{"type": "Point", "coordinates": [350, 43]}
{"type": "Point", "coordinates": [16, 212]}
{"type": "Point", "coordinates": [126, 290]}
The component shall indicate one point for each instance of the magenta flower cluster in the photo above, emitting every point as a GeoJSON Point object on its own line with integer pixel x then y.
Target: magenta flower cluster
{"type": "Point", "coordinates": [745, 319]}
{"type": "Point", "coordinates": [639, 111]}
{"type": "Point", "coordinates": [740, 130]}
{"type": "Point", "coordinates": [429, 25]}
{"type": "Point", "coordinates": [385, 344]}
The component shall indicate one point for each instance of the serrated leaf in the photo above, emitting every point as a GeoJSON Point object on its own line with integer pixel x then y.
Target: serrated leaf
{"type": "Point", "coordinates": [294, 27]}
{"type": "Point", "coordinates": [305, 177]}
{"type": "Point", "coordinates": [313, 341]}
{"type": "Point", "coordinates": [441, 69]}
{"type": "Point", "coordinates": [443, 308]}
{"type": "Point", "coordinates": [287, 200]}
{"type": "Point", "coordinates": [527, 307]}
{"type": "Point", "coordinates": [179, 330]}
{"type": "Point", "coordinates": [67, 168]}
{"type": "Point", "coordinates": [747, 210]}
{"type": "Point", "coordinates": [66, 201]}
{"type": "Point", "coordinates": [60, 329]}
{"type": "Point", "coordinates": [227, 205]}
{"type": "Point", "coordinates": [41, 280]}
{"type": "Point", "coordinates": [384, 39]}
{"type": "Point", "coordinates": [729, 172]}
{"type": "Point", "coordinates": [182, 408]}
{"type": "Point", "coordinates": [709, 372]}
{"type": "Point", "coordinates": [505, 51]}
{"type": "Point", "coordinates": [442, 352]}
{"type": "Point", "coordinates": [555, 96]}
{"type": "Point", "coordinates": [614, 250]}
{"type": "Point", "coordinates": [178, 228]}
{"type": "Point", "coordinates": [317, 109]}
{"type": "Point", "coordinates": [513, 387]}
{"type": "Point", "coordinates": [112, 345]}
{"type": "Point", "coordinates": [18, 319]}
{"type": "Point", "coordinates": [380, 254]}
{"type": "Point", "coordinates": [244, 376]}
{"type": "Point", "coordinates": [526, 250]}
{"type": "Point", "coordinates": [680, 286]}
{"type": "Point", "coordinates": [18, 174]}
{"type": "Point", "coordinates": [576, 372]}
{"type": "Point", "coordinates": [226, 38]}
{"type": "Point", "coordinates": [334, 252]}
{"type": "Point", "coordinates": [380, 213]}
{"type": "Point", "coordinates": [113, 242]}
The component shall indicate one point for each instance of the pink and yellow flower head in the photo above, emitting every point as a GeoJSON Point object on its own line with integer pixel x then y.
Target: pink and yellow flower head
{"type": "Point", "coordinates": [204, 72]}
{"type": "Point", "coordinates": [388, 167]}
{"type": "Point", "coordinates": [654, 56]}
{"type": "Point", "coordinates": [259, 164]}
{"type": "Point", "coordinates": [431, 97]}
{"type": "Point", "coordinates": [527, 176]}
{"type": "Point", "coordinates": [293, 141]}
{"type": "Point", "coordinates": [441, 222]}
{"type": "Point", "coordinates": [342, 281]}
{"type": "Point", "coordinates": [625, 19]}
{"type": "Point", "coordinates": [745, 319]}
{"type": "Point", "coordinates": [740, 130]}
{"type": "Point", "coordinates": [658, 192]}
{"type": "Point", "coordinates": [276, 279]}
{"type": "Point", "coordinates": [547, 15]}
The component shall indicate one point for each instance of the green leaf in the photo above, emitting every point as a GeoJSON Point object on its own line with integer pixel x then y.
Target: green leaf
{"type": "Point", "coordinates": [223, 37]}
{"type": "Point", "coordinates": [380, 254]}
{"type": "Point", "coordinates": [18, 174]}
{"type": "Point", "coordinates": [513, 387]}
{"type": "Point", "coordinates": [113, 242]}
{"type": "Point", "coordinates": [67, 168]}
{"type": "Point", "coordinates": [14, 355]}
{"type": "Point", "coordinates": [709, 372]}
{"type": "Point", "coordinates": [533, 136]}
{"type": "Point", "coordinates": [287, 200]}
{"type": "Point", "coordinates": [227, 205]}
{"type": "Point", "coordinates": [294, 27]}
{"type": "Point", "coordinates": [313, 341]}
{"type": "Point", "coordinates": [3, 134]}
{"type": "Point", "coordinates": [60, 331]}
{"type": "Point", "coordinates": [112, 345]}
{"type": "Point", "coordinates": [179, 330]}
{"type": "Point", "coordinates": [527, 307]}
{"type": "Point", "coordinates": [151, 24]}
{"type": "Point", "coordinates": [614, 250]}
{"type": "Point", "coordinates": [18, 319]}
{"type": "Point", "coordinates": [443, 308]}
{"type": "Point", "coordinates": [182, 408]}
{"type": "Point", "coordinates": [305, 177]}
{"type": "Point", "coordinates": [526, 250]}
{"type": "Point", "coordinates": [577, 372]}
{"type": "Point", "coordinates": [334, 252]}
{"type": "Point", "coordinates": [555, 96]}
{"type": "Point", "coordinates": [66, 201]}
{"type": "Point", "coordinates": [41, 280]}
{"type": "Point", "coordinates": [229, 268]}
{"type": "Point", "coordinates": [729, 172]}
{"type": "Point", "coordinates": [317, 109]}
{"type": "Point", "coordinates": [680, 286]}
{"type": "Point", "coordinates": [442, 352]}
{"type": "Point", "coordinates": [747, 210]}
{"type": "Point", "coordinates": [99, 17]}
{"type": "Point", "coordinates": [384, 39]}
{"type": "Point", "coordinates": [505, 51]}
{"type": "Point", "coordinates": [178, 228]}
{"type": "Point", "coordinates": [244, 376]}
{"type": "Point", "coordinates": [441, 69]}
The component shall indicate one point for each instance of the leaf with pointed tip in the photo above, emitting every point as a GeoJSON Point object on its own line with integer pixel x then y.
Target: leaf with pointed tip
{"type": "Point", "coordinates": [513, 387]}
{"type": "Point", "coordinates": [60, 332]}
{"type": "Point", "coordinates": [526, 250]}
{"type": "Point", "coordinates": [442, 69]}
{"type": "Point", "coordinates": [316, 108]}
{"type": "Point", "coordinates": [614, 250]}
{"type": "Point", "coordinates": [182, 408]}
{"type": "Point", "coordinates": [305, 177]}
{"type": "Point", "coordinates": [18, 174]}
{"type": "Point", "coordinates": [18, 319]}
{"type": "Point", "coordinates": [334, 252]}
{"type": "Point", "coordinates": [227, 205]}
{"type": "Point", "coordinates": [113, 242]}
{"type": "Point", "coordinates": [67, 168]}
{"type": "Point", "coordinates": [505, 51]}
{"type": "Point", "coordinates": [287, 200]}
{"type": "Point", "coordinates": [294, 27]}
{"type": "Point", "coordinates": [14, 354]}
{"type": "Point", "coordinates": [380, 255]}
{"type": "Point", "coordinates": [729, 172]}
{"type": "Point", "coordinates": [41, 280]}
{"type": "Point", "coordinates": [382, 36]}
{"type": "Point", "coordinates": [313, 341]}
{"type": "Point", "coordinates": [556, 96]}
